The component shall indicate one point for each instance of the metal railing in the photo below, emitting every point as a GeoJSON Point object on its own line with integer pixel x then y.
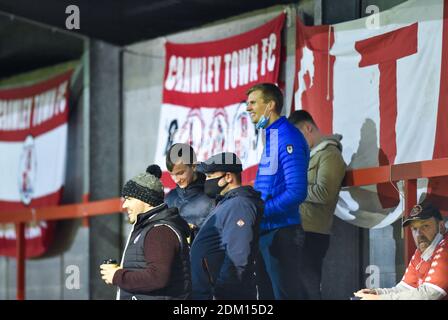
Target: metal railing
{"type": "Point", "coordinates": [407, 172]}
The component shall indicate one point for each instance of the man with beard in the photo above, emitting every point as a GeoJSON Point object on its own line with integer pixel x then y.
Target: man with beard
{"type": "Point", "coordinates": [426, 277]}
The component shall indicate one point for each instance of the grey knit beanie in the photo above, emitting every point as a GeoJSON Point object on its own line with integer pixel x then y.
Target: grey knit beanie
{"type": "Point", "coordinates": [146, 186]}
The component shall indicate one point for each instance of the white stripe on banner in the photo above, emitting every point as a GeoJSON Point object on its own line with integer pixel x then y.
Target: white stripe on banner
{"type": "Point", "coordinates": [47, 154]}
{"type": "Point", "coordinates": [210, 131]}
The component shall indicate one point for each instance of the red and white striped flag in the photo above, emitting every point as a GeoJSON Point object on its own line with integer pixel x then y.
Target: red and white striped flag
{"type": "Point", "coordinates": [33, 148]}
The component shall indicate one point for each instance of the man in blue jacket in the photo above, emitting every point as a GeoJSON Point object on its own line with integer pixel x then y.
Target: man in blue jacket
{"type": "Point", "coordinates": [224, 251]}
{"type": "Point", "coordinates": [282, 181]}
{"type": "Point", "coordinates": [188, 196]}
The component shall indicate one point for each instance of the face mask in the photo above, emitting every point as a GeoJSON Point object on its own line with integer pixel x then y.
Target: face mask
{"type": "Point", "coordinates": [261, 124]}
{"type": "Point", "coordinates": [211, 187]}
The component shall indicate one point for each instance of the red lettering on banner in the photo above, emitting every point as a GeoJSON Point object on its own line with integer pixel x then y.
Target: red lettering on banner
{"type": "Point", "coordinates": [316, 95]}
{"type": "Point", "coordinates": [384, 50]}
{"type": "Point", "coordinates": [215, 73]}
{"type": "Point", "coordinates": [203, 74]}
{"type": "Point", "coordinates": [35, 109]}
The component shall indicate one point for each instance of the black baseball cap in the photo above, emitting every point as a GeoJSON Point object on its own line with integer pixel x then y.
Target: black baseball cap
{"type": "Point", "coordinates": [422, 211]}
{"type": "Point", "coordinates": [225, 162]}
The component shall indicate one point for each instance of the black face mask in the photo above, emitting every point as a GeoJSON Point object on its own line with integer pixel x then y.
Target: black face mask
{"type": "Point", "coordinates": [211, 187]}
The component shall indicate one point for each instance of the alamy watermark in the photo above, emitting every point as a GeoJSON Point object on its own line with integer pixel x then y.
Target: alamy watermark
{"type": "Point", "coordinates": [268, 166]}
{"type": "Point", "coordinates": [373, 280]}
{"type": "Point", "coordinates": [373, 21]}
{"type": "Point", "coordinates": [73, 20]}
{"type": "Point", "coordinates": [72, 280]}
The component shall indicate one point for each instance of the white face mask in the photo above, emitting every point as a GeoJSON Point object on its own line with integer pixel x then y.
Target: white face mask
{"type": "Point", "coordinates": [427, 254]}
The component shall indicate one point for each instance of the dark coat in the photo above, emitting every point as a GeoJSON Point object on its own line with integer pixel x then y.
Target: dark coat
{"type": "Point", "coordinates": [227, 243]}
{"type": "Point", "coordinates": [193, 204]}
{"type": "Point", "coordinates": [179, 285]}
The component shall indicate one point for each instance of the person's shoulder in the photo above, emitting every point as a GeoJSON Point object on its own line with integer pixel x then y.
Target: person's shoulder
{"type": "Point", "coordinates": [162, 233]}
{"type": "Point", "coordinates": [442, 249]}
{"type": "Point", "coordinates": [286, 126]}
{"type": "Point", "coordinates": [243, 200]}
{"type": "Point", "coordinates": [227, 206]}
{"type": "Point", "coordinates": [290, 134]}
{"type": "Point", "coordinates": [331, 151]}
{"type": "Point", "coordinates": [444, 241]}
{"type": "Point", "coordinates": [171, 195]}
{"type": "Point", "coordinates": [245, 204]}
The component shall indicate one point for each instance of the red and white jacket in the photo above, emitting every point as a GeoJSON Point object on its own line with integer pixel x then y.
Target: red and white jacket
{"type": "Point", "coordinates": [429, 268]}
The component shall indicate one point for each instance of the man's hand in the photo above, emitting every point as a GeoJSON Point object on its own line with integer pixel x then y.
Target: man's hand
{"type": "Point", "coordinates": [108, 271]}
{"type": "Point", "coordinates": [367, 294]}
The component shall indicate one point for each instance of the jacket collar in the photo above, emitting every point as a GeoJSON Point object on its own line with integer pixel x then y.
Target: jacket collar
{"type": "Point", "coordinates": [193, 188]}
{"type": "Point", "coordinates": [427, 254]}
{"type": "Point", "coordinates": [321, 146]}
{"type": "Point", "coordinates": [326, 141]}
{"type": "Point", "coordinates": [152, 215]}
{"type": "Point", "coordinates": [240, 191]}
{"type": "Point", "coordinates": [277, 123]}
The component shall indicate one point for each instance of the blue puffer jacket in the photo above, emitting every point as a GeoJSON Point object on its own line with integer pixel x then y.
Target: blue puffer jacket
{"type": "Point", "coordinates": [282, 175]}
{"type": "Point", "coordinates": [193, 204]}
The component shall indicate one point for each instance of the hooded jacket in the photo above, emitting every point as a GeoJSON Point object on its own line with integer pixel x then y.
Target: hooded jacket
{"type": "Point", "coordinates": [179, 283]}
{"type": "Point", "coordinates": [193, 204]}
{"type": "Point", "coordinates": [281, 176]}
{"type": "Point", "coordinates": [326, 171]}
{"type": "Point", "coordinates": [223, 252]}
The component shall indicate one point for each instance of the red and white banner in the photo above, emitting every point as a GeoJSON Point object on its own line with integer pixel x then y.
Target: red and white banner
{"type": "Point", "coordinates": [33, 145]}
{"type": "Point", "coordinates": [204, 94]}
{"type": "Point", "coordinates": [382, 83]}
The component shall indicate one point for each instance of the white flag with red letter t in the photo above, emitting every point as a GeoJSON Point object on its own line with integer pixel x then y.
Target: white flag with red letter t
{"type": "Point", "coordinates": [383, 86]}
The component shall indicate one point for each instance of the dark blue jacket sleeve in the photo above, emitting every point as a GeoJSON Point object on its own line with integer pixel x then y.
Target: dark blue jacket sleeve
{"type": "Point", "coordinates": [170, 198]}
{"type": "Point", "coordinates": [295, 169]}
{"type": "Point", "coordinates": [237, 235]}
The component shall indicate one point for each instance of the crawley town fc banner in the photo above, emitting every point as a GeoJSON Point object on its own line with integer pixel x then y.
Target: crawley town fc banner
{"type": "Point", "coordinates": [385, 89]}
{"type": "Point", "coordinates": [204, 94]}
{"type": "Point", "coordinates": [33, 143]}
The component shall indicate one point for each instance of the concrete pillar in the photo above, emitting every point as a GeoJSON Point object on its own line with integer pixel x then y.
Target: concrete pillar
{"type": "Point", "coordinates": [343, 265]}
{"type": "Point", "coordinates": [105, 158]}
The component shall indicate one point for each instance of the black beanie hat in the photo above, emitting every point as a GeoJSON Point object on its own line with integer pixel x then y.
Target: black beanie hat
{"type": "Point", "coordinates": [146, 187]}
